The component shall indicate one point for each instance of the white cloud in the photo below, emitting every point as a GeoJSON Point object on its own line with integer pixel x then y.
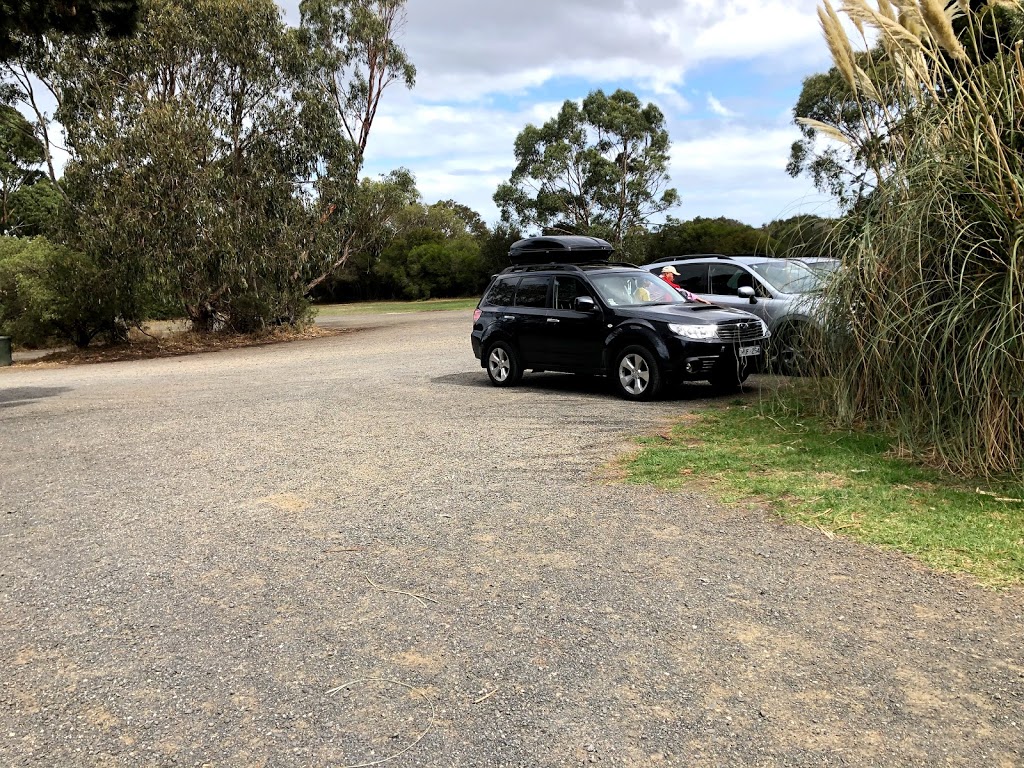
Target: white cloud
{"type": "Point", "coordinates": [486, 69]}
{"type": "Point", "coordinates": [719, 108]}
{"type": "Point", "coordinates": [740, 172]}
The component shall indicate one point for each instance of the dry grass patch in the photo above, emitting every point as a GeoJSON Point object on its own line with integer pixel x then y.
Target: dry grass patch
{"type": "Point", "coordinates": [176, 344]}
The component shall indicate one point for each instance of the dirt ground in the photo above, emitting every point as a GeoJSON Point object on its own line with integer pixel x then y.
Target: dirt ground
{"type": "Point", "coordinates": [352, 549]}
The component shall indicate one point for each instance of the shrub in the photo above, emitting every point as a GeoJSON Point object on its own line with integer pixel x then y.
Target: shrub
{"type": "Point", "coordinates": [52, 293]}
{"type": "Point", "coordinates": [929, 312]}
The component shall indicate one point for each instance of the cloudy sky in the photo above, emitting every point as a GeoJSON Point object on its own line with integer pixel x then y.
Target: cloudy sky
{"type": "Point", "coordinates": [726, 73]}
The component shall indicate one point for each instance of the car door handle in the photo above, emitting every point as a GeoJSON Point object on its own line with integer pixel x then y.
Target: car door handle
{"type": "Point", "coordinates": [553, 320]}
{"type": "Point", "coordinates": [508, 317]}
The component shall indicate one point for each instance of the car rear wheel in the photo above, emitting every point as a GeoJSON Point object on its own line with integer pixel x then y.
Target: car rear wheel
{"type": "Point", "coordinates": [636, 373]}
{"type": "Point", "coordinates": [503, 366]}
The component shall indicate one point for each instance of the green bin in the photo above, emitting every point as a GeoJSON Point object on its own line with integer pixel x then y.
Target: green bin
{"type": "Point", "coordinates": [5, 350]}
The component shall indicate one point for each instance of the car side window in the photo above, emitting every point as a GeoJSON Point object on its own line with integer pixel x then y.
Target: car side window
{"type": "Point", "coordinates": [567, 290]}
{"type": "Point", "coordinates": [533, 292]}
{"type": "Point", "coordinates": [727, 279]}
{"type": "Point", "coordinates": [502, 293]}
{"type": "Point", "coordinates": [693, 277]}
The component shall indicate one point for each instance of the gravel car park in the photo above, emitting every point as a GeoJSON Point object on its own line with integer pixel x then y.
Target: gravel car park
{"type": "Point", "coordinates": [330, 552]}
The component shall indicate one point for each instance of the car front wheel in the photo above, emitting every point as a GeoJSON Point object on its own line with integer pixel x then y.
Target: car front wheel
{"type": "Point", "coordinates": [636, 373]}
{"type": "Point", "coordinates": [503, 366]}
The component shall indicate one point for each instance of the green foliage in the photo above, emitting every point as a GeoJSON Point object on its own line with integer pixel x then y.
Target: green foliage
{"type": "Point", "coordinates": [803, 236]}
{"type": "Point", "coordinates": [182, 179]}
{"type": "Point", "coordinates": [704, 235]}
{"type": "Point", "coordinates": [844, 482]}
{"type": "Point", "coordinates": [494, 248]}
{"type": "Point", "coordinates": [437, 253]}
{"type": "Point", "coordinates": [599, 168]}
{"type": "Point", "coordinates": [350, 57]}
{"type": "Point", "coordinates": [33, 209]}
{"type": "Point", "coordinates": [28, 201]}
{"type": "Point", "coordinates": [927, 318]}
{"type": "Point", "coordinates": [52, 293]}
{"type": "Point", "coordinates": [840, 164]}
{"type": "Point", "coordinates": [23, 20]}
{"type": "Point", "coordinates": [216, 156]}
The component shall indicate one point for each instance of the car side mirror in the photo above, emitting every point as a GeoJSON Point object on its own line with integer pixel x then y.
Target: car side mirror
{"type": "Point", "coordinates": [746, 292]}
{"type": "Point", "coordinates": [584, 304]}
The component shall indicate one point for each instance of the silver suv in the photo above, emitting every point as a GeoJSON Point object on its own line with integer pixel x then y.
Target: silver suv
{"type": "Point", "coordinates": [784, 293]}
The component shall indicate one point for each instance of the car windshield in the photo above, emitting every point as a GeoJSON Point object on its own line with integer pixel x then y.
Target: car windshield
{"type": "Point", "coordinates": [788, 276]}
{"type": "Point", "coordinates": [629, 289]}
{"type": "Point", "coordinates": [824, 267]}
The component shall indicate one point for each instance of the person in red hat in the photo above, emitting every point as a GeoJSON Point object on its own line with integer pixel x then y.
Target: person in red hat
{"type": "Point", "coordinates": [669, 275]}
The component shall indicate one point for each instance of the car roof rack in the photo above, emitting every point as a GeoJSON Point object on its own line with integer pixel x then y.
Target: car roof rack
{"type": "Point", "coordinates": [558, 266]}
{"type": "Point", "coordinates": [666, 259]}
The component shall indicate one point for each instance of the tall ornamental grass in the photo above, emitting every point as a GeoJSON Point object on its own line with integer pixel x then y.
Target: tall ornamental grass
{"type": "Point", "coordinates": [926, 322]}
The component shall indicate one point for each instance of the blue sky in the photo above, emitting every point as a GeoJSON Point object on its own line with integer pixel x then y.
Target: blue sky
{"type": "Point", "coordinates": [726, 73]}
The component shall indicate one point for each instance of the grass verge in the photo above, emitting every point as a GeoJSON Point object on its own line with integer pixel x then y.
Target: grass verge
{"type": "Point", "coordinates": [843, 483]}
{"type": "Point", "coordinates": [392, 307]}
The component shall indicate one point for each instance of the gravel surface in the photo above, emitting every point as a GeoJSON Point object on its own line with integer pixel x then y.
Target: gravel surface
{"type": "Point", "coordinates": [195, 552]}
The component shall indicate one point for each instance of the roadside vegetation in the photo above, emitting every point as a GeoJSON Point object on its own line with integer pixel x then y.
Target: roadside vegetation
{"type": "Point", "coordinates": [908, 430]}
{"type": "Point", "coordinates": [924, 336]}
{"type": "Point", "coordinates": [842, 483]}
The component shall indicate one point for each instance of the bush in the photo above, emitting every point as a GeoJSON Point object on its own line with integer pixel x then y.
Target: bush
{"type": "Point", "coordinates": [928, 310]}
{"type": "Point", "coordinates": [50, 293]}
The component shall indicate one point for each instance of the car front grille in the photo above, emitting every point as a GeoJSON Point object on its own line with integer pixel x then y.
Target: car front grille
{"type": "Point", "coordinates": [739, 331]}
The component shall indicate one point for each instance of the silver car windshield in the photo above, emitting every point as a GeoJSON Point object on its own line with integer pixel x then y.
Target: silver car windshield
{"type": "Point", "coordinates": [787, 276]}
{"type": "Point", "coordinates": [631, 290]}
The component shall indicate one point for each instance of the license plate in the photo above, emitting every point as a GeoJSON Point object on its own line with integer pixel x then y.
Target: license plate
{"type": "Point", "coordinates": [750, 351]}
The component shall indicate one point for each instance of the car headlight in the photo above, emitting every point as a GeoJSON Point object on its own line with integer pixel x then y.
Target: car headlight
{"type": "Point", "coordinates": [696, 332]}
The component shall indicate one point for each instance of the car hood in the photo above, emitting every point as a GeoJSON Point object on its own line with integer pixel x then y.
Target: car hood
{"type": "Point", "coordinates": [689, 313]}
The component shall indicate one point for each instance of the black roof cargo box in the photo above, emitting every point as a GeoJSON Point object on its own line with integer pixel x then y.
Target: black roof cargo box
{"type": "Point", "coordinates": [562, 249]}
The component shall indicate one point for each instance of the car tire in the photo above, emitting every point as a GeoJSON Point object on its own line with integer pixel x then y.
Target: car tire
{"type": "Point", "coordinates": [787, 354]}
{"type": "Point", "coordinates": [793, 350]}
{"type": "Point", "coordinates": [503, 366]}
{"type": "Point", "coordinates": [636, 374]}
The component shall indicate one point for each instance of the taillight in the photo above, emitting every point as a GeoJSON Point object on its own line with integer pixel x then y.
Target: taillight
{"type": "Point", "coordinates": [476, 315]}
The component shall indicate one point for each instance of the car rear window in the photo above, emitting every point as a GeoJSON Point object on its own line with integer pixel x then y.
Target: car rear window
{"type": "Point", "coordinates": [502, 293]}
{"type": "Point", "coordinates": [693, 277]}
{"type": "Point", "coordinates": [533, 292]}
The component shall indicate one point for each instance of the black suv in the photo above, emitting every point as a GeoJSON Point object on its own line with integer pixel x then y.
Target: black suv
{"type": "Point", "coordinates": [563, 306]}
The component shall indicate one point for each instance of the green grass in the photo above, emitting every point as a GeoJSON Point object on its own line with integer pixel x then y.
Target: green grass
{"type": "Point", "coordinates": [391, 307]}
{"type": "Point", "coordinates": [843, 483]}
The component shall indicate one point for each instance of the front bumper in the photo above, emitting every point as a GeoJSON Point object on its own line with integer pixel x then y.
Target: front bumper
{"type": "Point", "coordinates": [695, 360]}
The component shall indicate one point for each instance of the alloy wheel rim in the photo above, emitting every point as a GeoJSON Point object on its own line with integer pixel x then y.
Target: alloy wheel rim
{"type": "Point", "coordinates": [500, 365]}
{"type": "Point", "coordinates": [634, 374]}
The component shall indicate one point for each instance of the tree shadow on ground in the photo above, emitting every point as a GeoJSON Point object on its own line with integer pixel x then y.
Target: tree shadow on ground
{"type": "Point", "coordinates": [15, 396]}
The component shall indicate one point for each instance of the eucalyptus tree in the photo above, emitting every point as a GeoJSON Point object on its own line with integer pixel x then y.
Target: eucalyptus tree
{"type": "Point", "coordinates": [600, 167]}
{"type": "Point", "coordinates": [26, 197]}
{"type": "Point", "coordinates": [183, 168]}
{"type": "Point", "coordinates": [32, 19]}
{"type": "Point", "coordinates": [352, 58]}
